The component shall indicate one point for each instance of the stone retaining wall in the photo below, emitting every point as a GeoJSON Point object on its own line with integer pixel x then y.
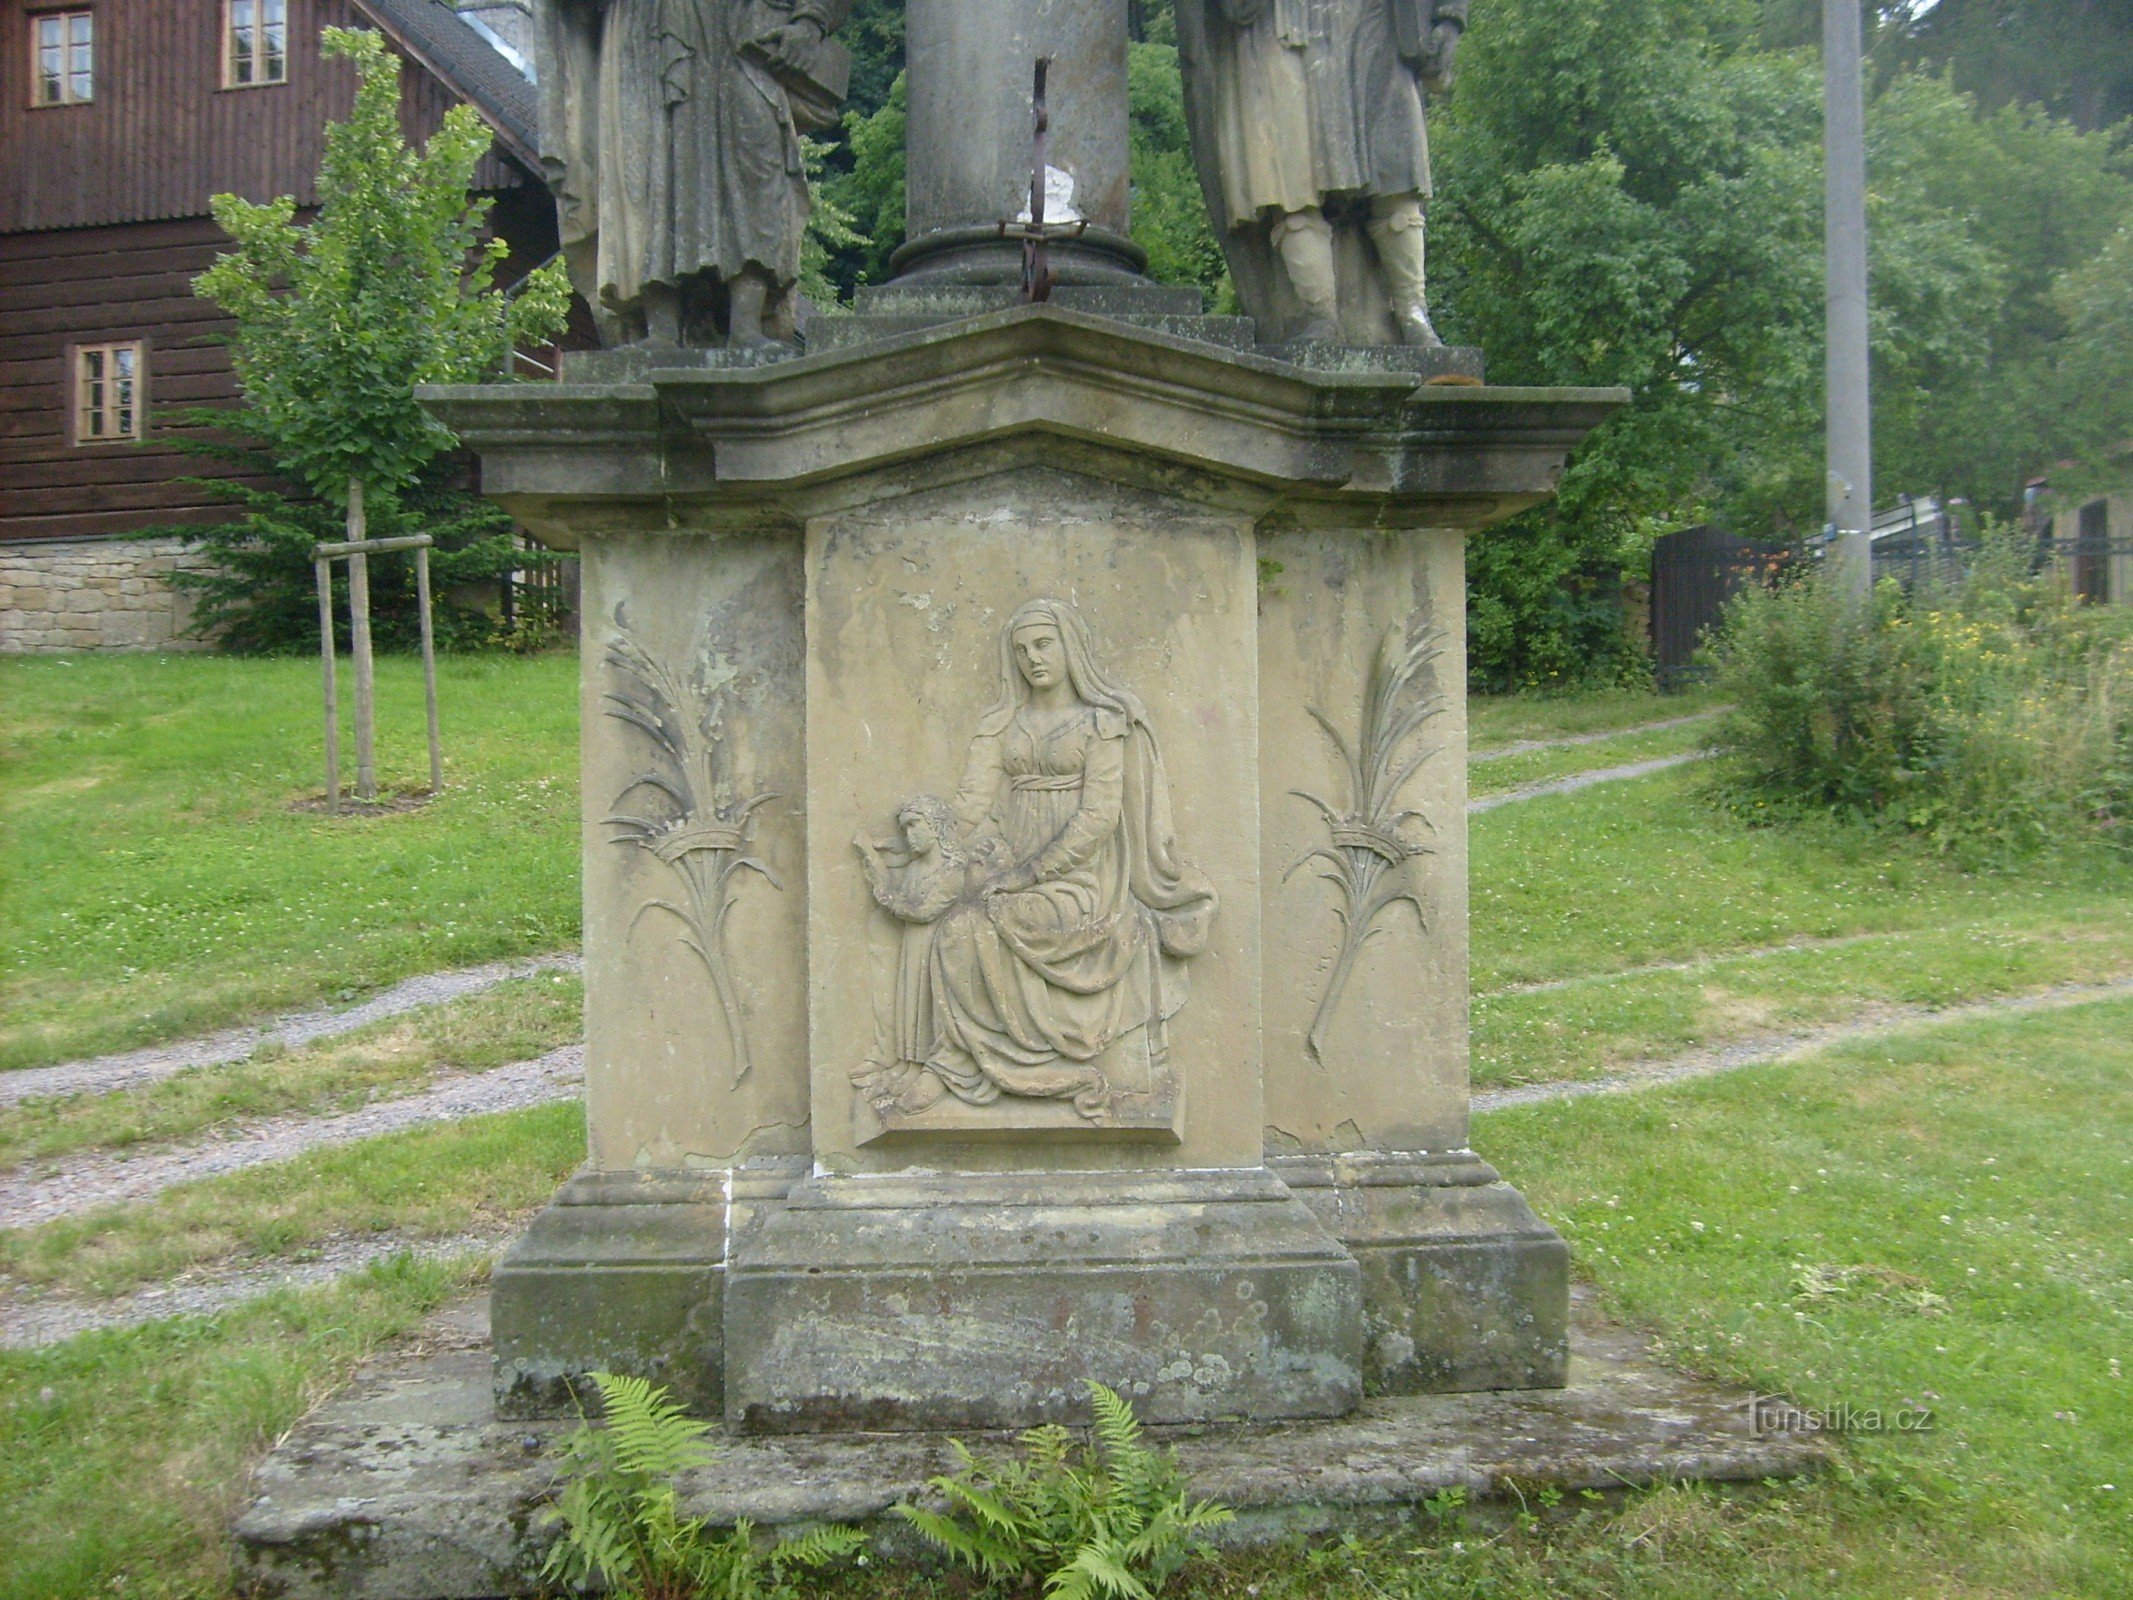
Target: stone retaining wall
{"type": "Point", "coordinates": [94, 594]}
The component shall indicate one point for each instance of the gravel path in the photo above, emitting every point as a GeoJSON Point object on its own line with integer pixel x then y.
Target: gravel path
{"type": "Point", "coordinates": [44, 1190]}
{"type": "Point", "coordinates": [1580, 780]}
{"type": "Point", "coordinates": [41, 1193]}
{"type": "Point", "coordinates": [1526, 747]}
{"type": "Point", "coordinates": [130, 1069]}
{"type": "Point", "coordinates": [29, 1320]}
{"type": "Point", "coordinates": [1787, 1047]}
{"type": "Point", "coordinates": [1698, 964]}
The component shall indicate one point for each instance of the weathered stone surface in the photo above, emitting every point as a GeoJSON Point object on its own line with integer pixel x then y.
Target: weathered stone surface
{"type": "Point", "coordinates": [1463, 1286]}
{"type": "Point", "coordinates": [907, 601]}
{"type": "Point", "coordinates": [622, 1272]}
{"type": "Point", "coordinates": [768, 447]}
{"type": "Point", "coordinates": [404, 1487]}
{"type": "Point", "coordinates": [695, 986]}
{"type": "Point", "coordinates": [921, 1301]}
{"type": "Point", "coordinates": [1036, 1102]}
{"type": "Point", "coordinates": [94, 594]}
{"type": "Point", "coordinates": [970, 69]}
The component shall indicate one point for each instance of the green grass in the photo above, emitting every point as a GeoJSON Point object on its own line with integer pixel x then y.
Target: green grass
{"type": "Point", "coordinates": [448, 1178]}
{"type": "Point", "coordinates": [513, 1022]}
{"type": "Point", "coordinates": [172, 909]}
{"type": "Point", "coordinates": [161, 883]}
{"type": "Point", "coordinates": [1542, 766]}
{"type": "Point", "coordinates": [1988, 1165]}
{"type": "Point", "coordinates": [123, 1455]}
{"type": "Point", "coordinates": [1494, 720]}
{"type": "Point", "coordinates": [1627, 874]}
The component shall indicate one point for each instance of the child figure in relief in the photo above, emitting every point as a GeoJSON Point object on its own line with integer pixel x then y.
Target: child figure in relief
{"type": "Point", "coordinates": [933, 872]}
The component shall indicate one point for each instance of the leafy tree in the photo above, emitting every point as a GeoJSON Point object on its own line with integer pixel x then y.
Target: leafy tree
{"type": "Point", "coordinates": [340, 318]}
{"type": "Point", "coordinates": [1169, 213]}
{"type": "Point", "coordinates": [2093, 377]}
{"type": "Point", "coordinates": [1631, 194]}
{"type": "Point", "coordinates": [871, 191]}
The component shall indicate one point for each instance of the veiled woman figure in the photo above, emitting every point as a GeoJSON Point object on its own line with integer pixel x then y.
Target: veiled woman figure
{"type": "Point", "coordinates": [1078, 942]}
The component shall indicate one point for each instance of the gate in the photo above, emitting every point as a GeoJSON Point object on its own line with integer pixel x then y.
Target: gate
{"type": "Point", "coordinates": [1694, 573]}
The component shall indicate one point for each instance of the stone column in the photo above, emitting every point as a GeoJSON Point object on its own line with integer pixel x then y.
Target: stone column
{"type": "Point", "coordinates": [968, 137]}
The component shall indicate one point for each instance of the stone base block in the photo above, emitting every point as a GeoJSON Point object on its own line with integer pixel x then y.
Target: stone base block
{"type": "Point", "coordinates": [406, 1487]}
{"type": "Point", "coordinates": [983, 1301]}
{"type": "Point", "coordinates": [1463, 1286]}
{"type": "Point", "coordinates": [620, 1273]}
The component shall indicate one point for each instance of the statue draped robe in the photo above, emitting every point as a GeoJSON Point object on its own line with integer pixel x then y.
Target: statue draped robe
{"type": "Point", "coordinates": [1028, 988]}
{"type": "Point", "coordinates": [673, 154]}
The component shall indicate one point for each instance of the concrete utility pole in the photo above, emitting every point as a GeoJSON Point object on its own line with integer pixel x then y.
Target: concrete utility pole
{"type": "Point", "coordinates": [1851, 438]}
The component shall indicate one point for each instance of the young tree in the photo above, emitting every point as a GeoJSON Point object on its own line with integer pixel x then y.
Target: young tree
{"type": "Point", "coordinates": [388, 287]}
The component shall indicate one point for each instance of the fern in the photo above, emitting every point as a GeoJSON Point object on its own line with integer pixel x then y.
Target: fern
{"type": "Point", "coordinates": [1109, 1521]}
{"type": "Point", "coordinates": [621, 1516]}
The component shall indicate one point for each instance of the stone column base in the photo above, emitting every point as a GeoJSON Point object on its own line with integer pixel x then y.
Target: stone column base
{"type": "Point", "coordinates": [621, 1272]}
{"type": "Point", "coordinates": [1463, 1286]}
{"type": "Point", "coordinates": [984, 1300]}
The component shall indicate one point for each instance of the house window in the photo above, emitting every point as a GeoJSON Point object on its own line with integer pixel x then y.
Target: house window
{"type": "Point", "coordinates": [62, 47]}
{"type": "Point", "coordinates": [255, 48]}
{"type": "Point", "coordinates": [109, 392]}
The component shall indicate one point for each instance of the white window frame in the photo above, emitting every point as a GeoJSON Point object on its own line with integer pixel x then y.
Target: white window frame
{"type": "Point", "coordinates": [75, 81]}
{"type": "Point", "coordinates": [255, 43]}
{"type": "Point", "coordinates": [105, 405]}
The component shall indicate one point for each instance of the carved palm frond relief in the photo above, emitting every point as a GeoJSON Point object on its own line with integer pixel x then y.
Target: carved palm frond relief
{"type": "Point", "coordinates": [1370, 839]}
{"type": "Point", "coordinates": [703, 832]}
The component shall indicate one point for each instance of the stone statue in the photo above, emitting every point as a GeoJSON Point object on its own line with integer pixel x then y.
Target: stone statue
{"type": "Point", "coordinates": [670, 131]}
{"type": "Point", "coordinates": [1048, 912]}
{"type": "Point", "coordinates": [1307, 126]}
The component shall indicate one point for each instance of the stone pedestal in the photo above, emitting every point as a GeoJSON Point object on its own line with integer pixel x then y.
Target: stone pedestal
{"type": "Point", "coordinates": [1208, 1141]}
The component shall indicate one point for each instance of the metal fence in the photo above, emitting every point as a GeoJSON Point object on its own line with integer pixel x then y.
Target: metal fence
{"type": "Point", "coordinates": [1694, 573]}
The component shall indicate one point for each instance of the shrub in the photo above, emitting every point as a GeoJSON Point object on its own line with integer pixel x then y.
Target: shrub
{"type": "Point", "coordinates": [1109, 1522]}
{"type": "Point", "coordinates": [260, 597]}
{"type": "Point", "coordinates": [621, 1512]}
{"type": "Point", "coordinates": [1992, 718]}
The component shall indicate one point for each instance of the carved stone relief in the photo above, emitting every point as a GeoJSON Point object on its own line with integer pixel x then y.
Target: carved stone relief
{"type": "Point", "coordinates": [1371, 840]}
{"type": "Point", "coordinates": [1045, 914]}
{"type": "Point", "coordinates": [701, 831]}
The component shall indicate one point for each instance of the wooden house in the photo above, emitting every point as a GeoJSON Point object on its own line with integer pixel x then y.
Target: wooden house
{"type": "Point", "coordinates": [118, 120]}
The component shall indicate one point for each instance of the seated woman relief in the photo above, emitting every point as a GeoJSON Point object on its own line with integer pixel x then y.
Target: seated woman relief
{"type": "Point", "coordinates": [1047, 914]}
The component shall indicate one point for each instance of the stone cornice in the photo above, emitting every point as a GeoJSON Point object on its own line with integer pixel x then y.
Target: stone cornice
{"type": "Point", "coordinates": [783, 440]}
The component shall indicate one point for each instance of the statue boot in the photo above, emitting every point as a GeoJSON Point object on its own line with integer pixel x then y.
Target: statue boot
{"type": "Point", "coordinates": [747, 301]}
{"type": "Point", "coordinates": [662, 311]}
{"type": "Point", "coordinates": [1396, 229]}
{"type": "Point", "coordinates": [1304, 241]}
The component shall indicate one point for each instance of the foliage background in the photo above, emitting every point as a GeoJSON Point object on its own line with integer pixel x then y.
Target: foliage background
{"type": "Point", "coordinates": [1630, 193]}
{"type": "Point", "coordinates": [337, 320]}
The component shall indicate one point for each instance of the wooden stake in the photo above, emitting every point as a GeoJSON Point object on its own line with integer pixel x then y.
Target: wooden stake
{"type": "Point", "coordinates": [429, 666]}
{"type": "Point", "coordinates": [359, 639]}
{"type": "Point", "coordinates": [324, 569]}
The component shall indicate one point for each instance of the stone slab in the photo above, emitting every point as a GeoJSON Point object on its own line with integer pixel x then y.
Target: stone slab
{"type": "Point", "coordinates": [974, 1300]}
{"type": "Point", "coordinates": [1463, 1286]}
{"type": "Point", "coordinates": [405, 1487]}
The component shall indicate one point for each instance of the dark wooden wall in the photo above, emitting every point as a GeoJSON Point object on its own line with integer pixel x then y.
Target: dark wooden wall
{"type": "Point", "coordinates": [92, 285]}
{"type": "Point", "coordinates": [161, 134]}
{"type": "Point", "coordinates": [103, 226]}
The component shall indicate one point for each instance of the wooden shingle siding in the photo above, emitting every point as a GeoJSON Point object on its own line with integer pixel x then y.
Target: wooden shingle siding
{"type": "Point", "coordinates": [162, 134]}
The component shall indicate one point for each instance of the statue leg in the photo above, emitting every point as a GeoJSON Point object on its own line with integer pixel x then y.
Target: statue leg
{"type": "Point", "coordinates": [1304, 241]}
{"type": "Point", "coordinates": [1396, 228]}
{"type": "Point", "coordinates": [662, 315]}
{"type": "Point", "coordinates": [747, 296]}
